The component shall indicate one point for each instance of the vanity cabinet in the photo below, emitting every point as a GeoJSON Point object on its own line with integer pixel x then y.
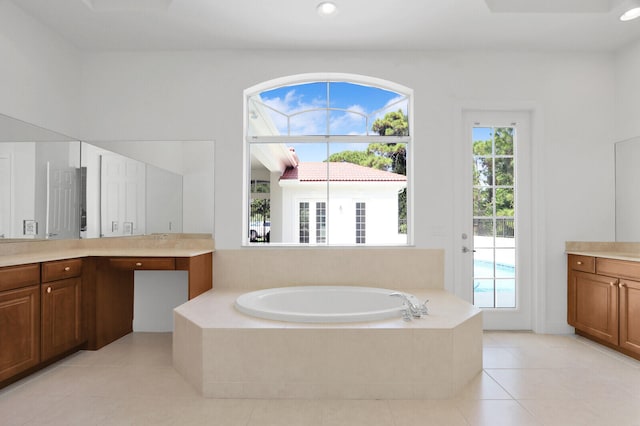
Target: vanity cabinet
{"type": "Point", "coordinates": [49, 309]}
{"type": "Point", "coordinates": [62, 327]}
{"type": "Point", "coordinates": [630, 315]}
{"type": "Point", "coordinates": [604, 301]}
{"type": "Point", "coordinates": [109, 297]}
{"type": "Point", "coordinates": [19, 319]}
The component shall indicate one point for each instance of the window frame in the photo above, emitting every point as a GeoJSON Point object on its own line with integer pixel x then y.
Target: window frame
{"type": "Point", "coordinates": [300, 79]}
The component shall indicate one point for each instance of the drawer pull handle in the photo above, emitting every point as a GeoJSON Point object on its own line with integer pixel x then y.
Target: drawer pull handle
{"type": "Point", "coordinates": [48, 289]}
{"type": "Point", "coordinates": [612, 283]}
{"type": "Point", "coordinates": [138, 263]}
{"type": "Point", "coordinates": [579, 262]}
{"type": "Point", "coordinates": [622, 285]}
{"type": "Point", "coordinates": [67, 269]}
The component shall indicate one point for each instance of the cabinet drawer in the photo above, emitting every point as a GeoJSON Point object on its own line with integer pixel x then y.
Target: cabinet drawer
{"type": "Point", "coordinates": [582, 263]}
{"type": "Point", "coordinates": [19, 276]}
{"type": "Point", "coordinates": [61, 269]}
{"type": "Point", "coordinates": [143, 263]}
{"type": "Point", "coordinates": [618, 268]}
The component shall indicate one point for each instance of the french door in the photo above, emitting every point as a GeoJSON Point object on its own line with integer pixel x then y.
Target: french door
{"type": "Point", "coordinates": [494, 245]}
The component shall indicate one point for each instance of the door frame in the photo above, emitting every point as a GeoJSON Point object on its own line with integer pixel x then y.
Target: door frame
{"type": "Point", "coordinates": [534, 270]}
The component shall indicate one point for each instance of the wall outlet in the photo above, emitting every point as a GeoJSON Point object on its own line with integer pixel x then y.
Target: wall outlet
{"type": "Point", "coordinates": [29, 227]}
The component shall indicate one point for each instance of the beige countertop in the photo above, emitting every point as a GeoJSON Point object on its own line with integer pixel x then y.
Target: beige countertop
{"type": "Point", "coordinates": [44, 251]}
{"type": "Point", "coordinates": [610, 250]}
{"type": "Point", "coordinates": [216, 309]}
{"type": "Point", "coordinates": [634, 257]}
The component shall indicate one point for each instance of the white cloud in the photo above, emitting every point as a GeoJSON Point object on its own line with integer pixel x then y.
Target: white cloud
{"type": "Point", "coordinates": [308, 117]}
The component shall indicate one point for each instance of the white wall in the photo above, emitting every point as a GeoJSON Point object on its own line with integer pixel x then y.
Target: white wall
{"type": "Point", "coordinates": [40, 73]}
{"type": "Point", "coordinates": [197, 181]}
{"type": "Point", "coordinates": [198, 95]}
{"type": "Point", "coordinates": [627, 92]}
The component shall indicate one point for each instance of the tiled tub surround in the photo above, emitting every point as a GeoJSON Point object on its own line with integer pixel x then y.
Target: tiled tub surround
{"type": "Point", "coordinates": [226, 354]}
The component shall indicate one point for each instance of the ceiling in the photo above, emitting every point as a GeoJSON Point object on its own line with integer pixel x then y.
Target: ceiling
{"type": "Point", "coordinates": [584, 25]}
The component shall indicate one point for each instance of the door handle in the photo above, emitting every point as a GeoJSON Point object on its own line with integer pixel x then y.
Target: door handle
{"type": "Point", "coordinates": [466, 249]}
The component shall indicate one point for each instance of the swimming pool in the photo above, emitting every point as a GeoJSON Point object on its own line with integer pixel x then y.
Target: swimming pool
{"type": "Point", "coordinates": [494, 291]}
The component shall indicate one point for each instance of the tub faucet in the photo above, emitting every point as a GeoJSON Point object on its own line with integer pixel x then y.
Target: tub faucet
{"type": "Point", "coordinates": [414, 309]}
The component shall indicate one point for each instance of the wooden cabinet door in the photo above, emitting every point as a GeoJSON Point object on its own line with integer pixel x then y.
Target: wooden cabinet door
{"type": "Point", "coordinates": [630, 315]}
{"type": "Point", "coordinates": [594, 305]}
{"type": "Point", "coordinates": [61, 316]}
{"type": "Point", "coordinates": [19, 330]}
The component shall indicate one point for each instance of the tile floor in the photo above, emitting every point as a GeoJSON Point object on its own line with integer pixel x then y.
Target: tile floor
{"type": "Point", "coordinates": [528, 379]}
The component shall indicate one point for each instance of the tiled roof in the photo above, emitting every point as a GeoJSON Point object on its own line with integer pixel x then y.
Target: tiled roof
{"type": "Point", "coordinates": [339, 172]}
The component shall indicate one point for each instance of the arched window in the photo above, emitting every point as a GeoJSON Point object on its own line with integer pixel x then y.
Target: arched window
{"type": "Point", "coordinates": [327, 161]}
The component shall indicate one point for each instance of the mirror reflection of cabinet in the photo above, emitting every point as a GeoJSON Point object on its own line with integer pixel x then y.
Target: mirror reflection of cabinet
{"type": "Point", "coordinates": [627, 155]}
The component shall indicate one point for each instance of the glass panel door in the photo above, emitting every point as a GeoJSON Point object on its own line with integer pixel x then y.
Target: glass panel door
{"type": "Point", "coordinates": [494, 257]}
{"type": "Point", "coordinates": [494, 264]}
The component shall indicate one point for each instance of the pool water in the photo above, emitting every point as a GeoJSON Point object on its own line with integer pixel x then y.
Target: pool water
{"type": "Point", "coordinates": [490, 292]}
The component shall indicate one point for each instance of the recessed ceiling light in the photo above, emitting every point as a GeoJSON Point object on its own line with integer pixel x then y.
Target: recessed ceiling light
{"type": "Point", "coordinates": [631, 11]}
{"type": "Point", "coordinates": [630, 14]}
{"type": "Point", "coordinates": [326, 8]}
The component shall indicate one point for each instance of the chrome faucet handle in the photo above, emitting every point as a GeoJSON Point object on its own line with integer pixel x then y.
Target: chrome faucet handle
{"type": "Point", "coordinates": [414, 309]}
{"type": "Point", "coordinates": [408, 312]}
{"type": "Point", "coordinates": [423, 308]}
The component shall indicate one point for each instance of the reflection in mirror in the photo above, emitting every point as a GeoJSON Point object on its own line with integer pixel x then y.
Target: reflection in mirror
{"type": "Point", "coordinates": [39, 182]}
{"type": "Point", "coordinates": [627, 155]}
{"type": "Point", "coordinates": [113, 202]}
{"type": "Point", "coordinates": [126, 196]}
{"type": "Point", "coordinates": [164, 201]}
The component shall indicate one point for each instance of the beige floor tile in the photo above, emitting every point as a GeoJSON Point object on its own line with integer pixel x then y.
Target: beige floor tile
{"type": "Point", "coordinates": [217, 412]}
{"type": "Point", "coordinates": [499, 357]}
{"type": "Point", "coordinates": [531, 383]}
{"type": "Point", "coordinates": [80, 411]}
{"type": "Point", "coordinates": [587, 384]}
{"type": "Point", "coordinates": [356, 413]}
{"type": "Point", "coordinates": [483, 387]}
{"type": "Point", "coordinates": [617, 412]}
{"type": "Point", "coordinates": [496, 413]}
{"type": "Point", "coordinates": [527, 339]}
{"type": "Point", "coordinates": [562, 412]}
{"type": "Point", "coordinates": [286, 412]}
{"type": "Point", "coordinates": [528, 379]}
{"type": "Point", "coordinates": [426, 413]}
{"type": "Point", "coordinates": [18, 408]}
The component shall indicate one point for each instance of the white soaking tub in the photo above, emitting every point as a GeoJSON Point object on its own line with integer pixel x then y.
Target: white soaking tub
{"type": "Point", "coordinates": [322, 304]}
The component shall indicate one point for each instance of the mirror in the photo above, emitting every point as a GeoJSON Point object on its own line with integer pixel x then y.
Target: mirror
{"type": "Point", "coordinates": [143, 187]}
{"type": "Point", "coordinates": [47, 191]}
{"type": "Point", "coordinates": [627, 155]}
{"type": "Point", "coordinates": [39, 182]}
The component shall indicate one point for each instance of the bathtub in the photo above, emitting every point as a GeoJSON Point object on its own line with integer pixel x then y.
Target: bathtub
{"type": "Point", "coordinates": [321, 304]}
{"type": "Point", "coordinates": [225, 353]}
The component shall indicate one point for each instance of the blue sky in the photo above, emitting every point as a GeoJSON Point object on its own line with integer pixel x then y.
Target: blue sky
{"type": "Point", "coordinates": [361, 100]}
{"type": "Point", "coordinates": [482, 133]}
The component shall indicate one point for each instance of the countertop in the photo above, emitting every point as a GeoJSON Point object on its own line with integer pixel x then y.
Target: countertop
{"type": "Point", "coordinates": [634, 257]}
{"type": "Point", "coordinates": [21, 253]}
{"type": "Point", "coordinates": [609, 250]}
